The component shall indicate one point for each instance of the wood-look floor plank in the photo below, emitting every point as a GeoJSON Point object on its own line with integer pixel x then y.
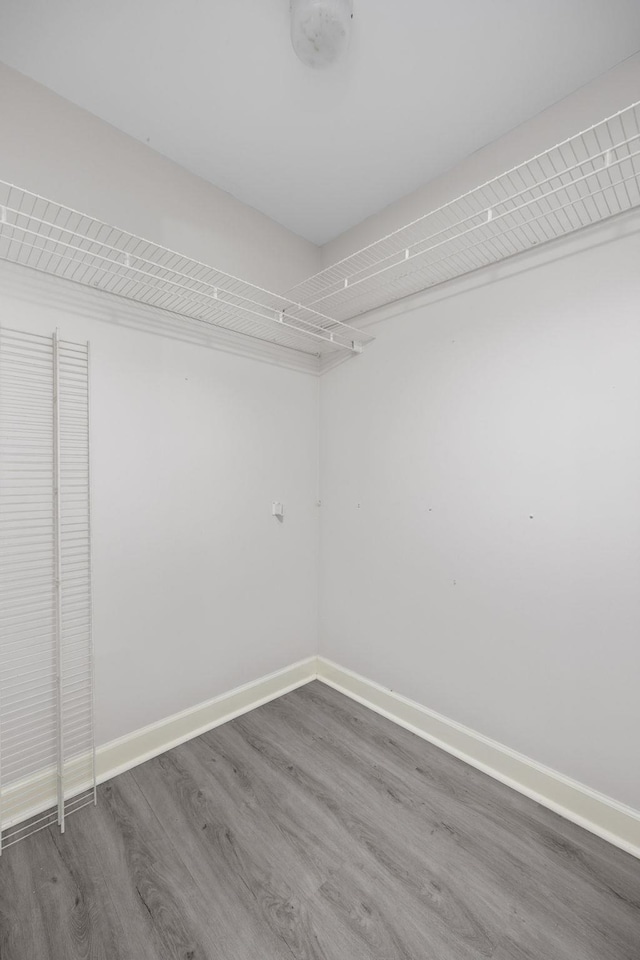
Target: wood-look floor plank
{"type": "Point", "coordinates": [350, 837]}
{"type": "Point", "coordinates": [158, 897]}
{"type": "Point", "coordinates": [23, 930]}
{"type": "Point", "coordinates": [243, 850]}
{"type": "Point", "coordinates": [300, 834]}
{"type": "Point", "coordinates": [496, 853]}
{"type": "Point", "coordinates": [71, 888]}
{"type": "Point", "coordinates": [398, 853]}
{"type": "Point", "coordinates": [563, 845]}
{"type": "Point", "coordinates": [263, 911]}
{"type": "Point", "coordinates": [314, 829]}
{"type": "Point", "coordinates": [588, 881]}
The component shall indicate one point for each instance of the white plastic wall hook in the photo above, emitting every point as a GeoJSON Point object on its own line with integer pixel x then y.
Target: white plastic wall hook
{"type": "Point", "coordinates": [277, 510]}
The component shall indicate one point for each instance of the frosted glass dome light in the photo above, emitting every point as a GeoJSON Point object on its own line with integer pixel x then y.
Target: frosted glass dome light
{"type": "Point", "coordinates": [320, 30]}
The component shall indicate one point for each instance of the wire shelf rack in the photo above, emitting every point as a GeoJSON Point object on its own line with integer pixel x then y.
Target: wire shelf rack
{"type": "Point", "coordinates": [583, 180]}
{"type": "Point", "coordinates": [47, 752]}
{"type": "Point", "coordinates": [58, 240]}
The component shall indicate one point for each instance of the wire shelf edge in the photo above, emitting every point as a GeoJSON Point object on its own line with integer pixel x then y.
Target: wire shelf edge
{"type": "Point", "coordinates": [583, 180]}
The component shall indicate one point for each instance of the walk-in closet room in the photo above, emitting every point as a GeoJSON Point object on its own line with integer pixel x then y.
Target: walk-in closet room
{"type": "Point", "coordinates": [320, 480]}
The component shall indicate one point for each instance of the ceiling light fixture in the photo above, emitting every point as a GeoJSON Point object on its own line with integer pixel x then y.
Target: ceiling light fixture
{"type": "Point", "coordinates": [320, 30]}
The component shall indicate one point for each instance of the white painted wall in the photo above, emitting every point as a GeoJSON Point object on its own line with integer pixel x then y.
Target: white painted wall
{"type": "Point", "coordinates": [491, 570]}
{"type": "Point", "coordinates": [56, 149]}
{"type": "Point", "coordinates": [197, 587]}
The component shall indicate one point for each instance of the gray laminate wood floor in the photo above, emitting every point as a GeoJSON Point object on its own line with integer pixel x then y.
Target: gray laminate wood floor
{"type": "Point", "coordinates": [313, 828]}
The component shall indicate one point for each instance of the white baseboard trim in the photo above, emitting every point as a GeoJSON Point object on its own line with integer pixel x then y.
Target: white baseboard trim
{"type": "Point", "coordinates": [594, 811]}
{"type": "Point", "coordinates": [599, 814]}
{"type": "Point", "coordinates": [148, 742]}
{"type": "Point", "coordinates": [122, 754]}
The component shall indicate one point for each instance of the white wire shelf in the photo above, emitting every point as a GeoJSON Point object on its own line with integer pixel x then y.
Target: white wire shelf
{"type": "Point", "coordinates": [588, 178]}
{"type": "Point", "coordinates": [584, 180]}
{"type": "Point", "coordinates": [58, 240]}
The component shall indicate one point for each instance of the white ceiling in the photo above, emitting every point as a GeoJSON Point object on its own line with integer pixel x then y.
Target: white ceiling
{"type": "Point", "coordinates": [215, 85]}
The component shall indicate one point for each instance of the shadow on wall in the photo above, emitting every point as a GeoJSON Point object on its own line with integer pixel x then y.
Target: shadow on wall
{"type": "Point", "coordinates": [31, 286]}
